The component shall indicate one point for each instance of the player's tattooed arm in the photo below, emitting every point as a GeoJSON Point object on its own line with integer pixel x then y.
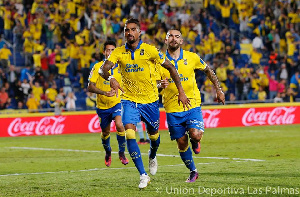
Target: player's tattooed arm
{"type": "Point", "coordinates": [174, 75]}
{"type": "Point", "coordinates": [214, 79]}
{"type": "Point", "coordinates": [92, 88]}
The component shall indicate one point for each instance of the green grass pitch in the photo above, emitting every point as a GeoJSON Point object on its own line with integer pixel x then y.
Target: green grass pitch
{"type": "Point", "coordinates": [240, 161]}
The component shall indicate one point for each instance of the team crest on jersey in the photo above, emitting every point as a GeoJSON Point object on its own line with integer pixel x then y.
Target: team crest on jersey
{"type": "Point", "coordinates": [142, 52]}
{"type": "Point", "coordinates": [185, 61]}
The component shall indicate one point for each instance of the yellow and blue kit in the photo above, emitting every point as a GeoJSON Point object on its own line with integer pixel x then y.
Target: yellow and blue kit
{"type": "Point", "coordinates": [140, 98]}
{"type": "Point", "coordinates": [107, 107]}
{"type": "Point", "coordinates": [179, 121]}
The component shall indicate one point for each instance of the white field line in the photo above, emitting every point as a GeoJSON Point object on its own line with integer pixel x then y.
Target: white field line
{"type": "Point", "coordinates": [88, 170]}
{"type": "Point", "coordinates": [95, 151]}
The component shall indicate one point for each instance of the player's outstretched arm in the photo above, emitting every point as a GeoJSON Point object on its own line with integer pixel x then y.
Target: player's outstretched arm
{"type": "Point", "coordinates": [93, 89]}
{"type": "Point", "coordinates": [214, 79]}
{"type": "Point", "coordinates": [104, 72]}
{"type": "Point", "coordinates": [174, 75]}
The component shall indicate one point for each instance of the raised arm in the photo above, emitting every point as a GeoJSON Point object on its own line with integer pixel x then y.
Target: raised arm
{"type": "Point", "coordinates": [174, 75]}
{"type": "Point", "coordinates": [213, 78]}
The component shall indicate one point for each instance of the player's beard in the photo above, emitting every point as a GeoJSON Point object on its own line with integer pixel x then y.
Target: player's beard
{"type": "Point", "coordinates": [173, 47]}
{"type": "Point", "coordinates": [131, 40]}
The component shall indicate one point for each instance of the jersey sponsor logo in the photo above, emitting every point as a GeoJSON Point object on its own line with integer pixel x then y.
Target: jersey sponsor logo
{"type": "Point", "coordinates": [182, 78]}
{"type": "Point", "coordinates": [133, 68]}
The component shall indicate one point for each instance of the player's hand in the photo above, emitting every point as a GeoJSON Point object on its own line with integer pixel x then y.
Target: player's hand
{"type": "Point", "coordinates": [164, 83]}
{"type": "Point", "coordinates": [184, 100]}
{"type": "Point", "coordinates": [111, 93]}
{"type": "Point", "coordinates": [220, 96]}
{"type": "Point", "coordinates": [114, 84]}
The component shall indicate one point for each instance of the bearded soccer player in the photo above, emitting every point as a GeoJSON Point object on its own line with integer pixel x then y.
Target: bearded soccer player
{"type": "Point", "coordinates": [184, 124]}
{"type": "Point", "coordinates": [108, 106]}
{"type": "Point", "coordinates": [139, 92]}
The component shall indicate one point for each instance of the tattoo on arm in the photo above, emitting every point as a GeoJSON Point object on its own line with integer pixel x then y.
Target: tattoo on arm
{"type": "Point", "coordinates": [106, 66]}
{"type": "Point", "coordinates": [173, 73]}
{"type": "Point", "coordinates": [212, 77]}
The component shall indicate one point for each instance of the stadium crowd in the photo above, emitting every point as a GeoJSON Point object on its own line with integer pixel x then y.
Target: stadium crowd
{"type": "Point", "coordinates": [253, 46]}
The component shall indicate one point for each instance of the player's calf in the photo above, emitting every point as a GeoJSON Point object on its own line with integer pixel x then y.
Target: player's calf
{"type": "Point", "coordinates": [195, 138]}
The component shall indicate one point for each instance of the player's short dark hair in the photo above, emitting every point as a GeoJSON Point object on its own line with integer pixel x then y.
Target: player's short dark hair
{"type": "Point", "coordinates": [133, 20]}
{"type": "Point", "coordinates": [109, 42]}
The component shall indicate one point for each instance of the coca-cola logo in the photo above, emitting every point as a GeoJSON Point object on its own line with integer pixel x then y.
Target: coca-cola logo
{"type": "Point", "coordinates": [277, 116]}
{"type": "Point", "coordinates": [94, 125]}
{"type": "Point", "coordinates": [45, 126]}
{"type": "Point", "coordinates": [210, 118]}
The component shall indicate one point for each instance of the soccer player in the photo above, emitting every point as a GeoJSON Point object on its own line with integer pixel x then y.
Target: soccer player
{"type": "Point", "coordinates": [183, 122]}
{"type": "Point", "coordinates": [108, 106]}
{"type": "Point", "coordinates": [140, 95]}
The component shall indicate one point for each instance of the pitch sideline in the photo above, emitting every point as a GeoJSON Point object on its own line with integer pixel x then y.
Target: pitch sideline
{"type": "Point", "coordinates": [96, 151]}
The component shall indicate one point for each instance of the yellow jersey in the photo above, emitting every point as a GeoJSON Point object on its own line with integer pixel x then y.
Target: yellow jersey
{"type": "Point", "coordinates": [104, 102]}
{"type": "Point", "coordinates": [32, 104]}
{"type": "Point", "coordinates": [37, 91]}
{"type": "Point", "coordinates": [138, 71]}
{"type": "Point", "coordinates": [51, 94]}
{"type": "Point", "coordinates": [62, 67]}
{"type": "Point", "coordinates": [37, 60]}
{"type": "Point", "coordinates": [185, 65]}
{"type": "Point", "coordinates": [5, 53]}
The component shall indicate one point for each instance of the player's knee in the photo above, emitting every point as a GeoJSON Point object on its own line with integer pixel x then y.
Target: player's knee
{"type": "Point", "coordinates": [105, 135]}
{"type": "Point", "coordinates": [154, 137]}
{"type": "Point", "coordinates": [197, 135]}
{"type": "Point", "coordinates": [130, 134]}
{"type": "Point", "coordinates": [119, 127]}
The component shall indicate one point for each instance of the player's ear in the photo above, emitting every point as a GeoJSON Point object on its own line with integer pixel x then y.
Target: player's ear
{"type": "Point", "coordinates": [166, 41]}
{"type": "Point", "coordinates": [181, 41]}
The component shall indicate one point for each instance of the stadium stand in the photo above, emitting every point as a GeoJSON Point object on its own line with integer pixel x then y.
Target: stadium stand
{"type": "Point", "coordinates": [252, 40]}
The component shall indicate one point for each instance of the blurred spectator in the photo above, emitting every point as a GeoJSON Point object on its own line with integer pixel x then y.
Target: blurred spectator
{"type": "Point", "coordinates": [90, 101]}
{"type": "Point", "coordinates": [257, 43]}
{"type": "Point", "coordinates": [37, 90]}
{"type": "Point", "coordinates": [70, 101]}
{"type": "Point", "coordinates": [273, 84]}
{"type": "Point", "coordinates": [57, 105]}
{"type": "Point", "coordinates": [262, 95]}
{"type": "Point", "coordinates": [19, 95]}
{"type": "Point", "coordinates": [21, 105]}
{"type": "Point", "coordinates": [278, 98]}
{"type": "Point", "coordinates": [32, 103]}
{"type": "Point", "coordinates": [51, 93]}
{"type": "Point", "coordinates": [3, 98]}
{"type": "Point", "coordinates": [25, 86]}
{"type": "Point", "coordinates": [4, 57]}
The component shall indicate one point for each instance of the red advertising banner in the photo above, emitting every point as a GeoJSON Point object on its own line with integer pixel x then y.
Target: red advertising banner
{"type": "Point", "coordinates": [89, 123]}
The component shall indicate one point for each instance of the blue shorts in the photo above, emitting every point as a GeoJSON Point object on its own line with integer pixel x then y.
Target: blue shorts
{"type": "Point", "coordinates": [134, 113]}
{"type": "Point", "coordinates": [180, 122]}
{"type": "Point", "coordinates": [107, 115]}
